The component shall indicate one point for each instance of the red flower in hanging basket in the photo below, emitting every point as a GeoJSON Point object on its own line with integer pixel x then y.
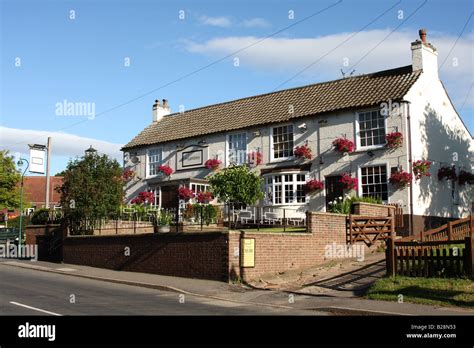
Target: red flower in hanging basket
{"type": "Point", "coordinates": [401, 178]}
{"type": "Point", "coordinates": [143, 197]}
{"type": "Point", "coordinates": [303, 152]}
{"type": "Point", "coordinates": [421, 168]}
{"type": "Point", "coordinates": [212, 163]}
{"type": "Point", "coordinates": [448, 173]}
{"type": "Point", "coordinates": [185, 193]}
{"type": "Point", "coordinates": [349, 182]}
{"type": "Point", "coordinates": [204, 197]}
{"type": "Point", "coordinates": [128, 174]}
{"type": "Point", "coordinates": [313, 185]}
{"type": "Point", "coordinates": [465, 178]}
{"type": "Point", "coordinates": [165, 169]}
{"type": "Point", "coordinates": [255, 158]}
{"type": "Point", "coordinates": [394, 140]}
{"type": "Point", "coordinates": [343, 145]}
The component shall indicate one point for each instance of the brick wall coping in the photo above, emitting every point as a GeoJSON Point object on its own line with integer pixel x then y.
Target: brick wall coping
{"type": "Point", "coordinates": [326, 213]}
{"type": "Point", "coordinates": [36, 226]}
{"type": "Point", "coordinates": [374, 205]}
{"type": "Point", "coordinates": [280, 234]}
{"type": "Point", "coordinates": [149, 234]}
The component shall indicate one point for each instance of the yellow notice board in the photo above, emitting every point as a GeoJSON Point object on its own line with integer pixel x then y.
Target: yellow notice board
{"type": "Point", "coordinates": [248, 252]}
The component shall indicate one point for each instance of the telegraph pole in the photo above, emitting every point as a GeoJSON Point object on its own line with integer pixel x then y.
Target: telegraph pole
{"type": "Point", "coordinates": [48, 162]}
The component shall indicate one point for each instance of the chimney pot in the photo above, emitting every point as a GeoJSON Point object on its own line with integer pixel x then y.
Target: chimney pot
{"type": "Point", "coordinates": [422, 33]}
{"type": "Point", "coordinates": [165, 103]}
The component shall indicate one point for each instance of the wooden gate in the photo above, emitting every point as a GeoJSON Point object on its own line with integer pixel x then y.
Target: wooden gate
{"type": "Point", "coordinates": [369, 229]}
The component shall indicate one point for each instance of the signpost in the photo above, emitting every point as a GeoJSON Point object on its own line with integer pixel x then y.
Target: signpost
{"type": "Point", "coordinates": [248, 252]}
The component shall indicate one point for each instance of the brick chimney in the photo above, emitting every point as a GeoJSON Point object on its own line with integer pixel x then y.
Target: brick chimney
{"type": "Point", "coordinates": [160, 110]}
{"type": "Point", "coordinates": [424, 55]}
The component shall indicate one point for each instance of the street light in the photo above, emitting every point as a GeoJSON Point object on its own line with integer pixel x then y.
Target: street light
{"type": "Point", "coordinates": [20, 163]}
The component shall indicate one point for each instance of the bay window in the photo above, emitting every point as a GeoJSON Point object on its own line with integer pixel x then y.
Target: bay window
{"type": "Point", "coordinates": [285, 188]}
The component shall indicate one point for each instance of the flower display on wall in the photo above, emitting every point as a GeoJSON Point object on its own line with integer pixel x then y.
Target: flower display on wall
{"type": "Point", "coordinates": [401, 178]}
{"type": "Point", "coordinates": [421, 168]}
{"type": "Point", "coordinates": [128, 174]}
{"type": "Point", "coordinates": [343, 145]}
{"type": "Point", "coordinates": [394, 140]}
{"type": "Point", "coordinates": [144, 197]}
{"type": "Point", "coordinates": [313, 185]}
{"type": "Point", "coordinates": [165, 169]}
{"type": "Point", "coordinates": [185, 193]}
{"type": "Point", "coordinates": [349, 182]}
{"type": "Point", "coordinates": [448, 173]}
{"type": "Point", "coordinates": [255, 158]}
{"type": "Point", "coordinates": [204, 197]}
{"type": "Point", "coordinates": [303, 151]}
{"type": "Point", "coordinates": [212, 163]}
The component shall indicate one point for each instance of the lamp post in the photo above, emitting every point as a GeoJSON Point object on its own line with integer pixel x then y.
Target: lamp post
{"type": "Point", "coordinates": [20, 163]}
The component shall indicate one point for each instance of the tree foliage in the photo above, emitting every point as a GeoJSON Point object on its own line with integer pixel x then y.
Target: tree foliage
{"type": "Point", "coordinates": [92, 187]}
{"type": "Point", "coordinates": [237, 185]}
{"type": "Point", "coordinates": [9, 182]}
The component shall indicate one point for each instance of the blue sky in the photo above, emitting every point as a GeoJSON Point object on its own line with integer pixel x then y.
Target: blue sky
{"type": "Point", "coordinates": [83, 59]}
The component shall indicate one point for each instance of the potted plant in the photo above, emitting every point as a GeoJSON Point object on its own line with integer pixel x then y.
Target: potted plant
{"type": "Point", "coordinates": [465, 178]}
{"type": "Point", "coordinates": [448, 173]}
{"type": "Point", "coordinates": [164, 221]}
{"type": "Point", "coordinates": [394, 140]}
{"type": "Point", "coordinates": [185, 193]}
{"type": "Point", "coordinates": [303, 152]}
{"type": "Point", "coordinates": [421, 168]}
{"type": "Point", "coordinates": [313, 185]}
{"type": "Point", "coordinates": [212, 163]}
{"type": "Point", "coordinates": [348, 182]}
{"type": "Point", "coordinates": [255, 158]}
{"type": "Point", "coordinates": [165, 169]}
{"type": "Point", "coordinates": [343, 145]}
{"type": "Point", "coordinates": [401, 178]}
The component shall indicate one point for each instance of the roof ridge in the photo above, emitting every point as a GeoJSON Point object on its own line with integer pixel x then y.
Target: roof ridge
{"type": "Point", "coordinates": [381, 73]}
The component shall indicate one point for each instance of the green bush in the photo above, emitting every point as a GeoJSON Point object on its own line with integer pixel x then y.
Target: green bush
{"type": "Point", "coordinates": [343, 205]}
{"type": "Point", "coordinates": [40, 217]}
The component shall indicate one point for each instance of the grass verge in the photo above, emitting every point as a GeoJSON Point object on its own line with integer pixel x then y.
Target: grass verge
{"type": "Point", "coordinates": [430, 291]}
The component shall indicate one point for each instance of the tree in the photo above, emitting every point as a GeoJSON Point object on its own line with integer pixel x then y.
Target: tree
{"type": "Point", "coordinates": [9, 182]}
{"type": "Point", "coordinates": [236, 185]}
{"type": "Point", "coordinates": [92, 189]}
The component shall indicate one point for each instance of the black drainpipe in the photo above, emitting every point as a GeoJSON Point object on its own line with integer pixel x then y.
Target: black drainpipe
{"type": "Point", "coordinates": [410, 164]}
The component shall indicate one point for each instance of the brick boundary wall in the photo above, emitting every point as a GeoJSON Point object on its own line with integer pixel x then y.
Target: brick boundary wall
{"type": "Point", "coordinates": [371, 209]}
{"type": "Point", "coordinates": [32, 231]}
{"type": "Point", "coordinates": [200, 255]}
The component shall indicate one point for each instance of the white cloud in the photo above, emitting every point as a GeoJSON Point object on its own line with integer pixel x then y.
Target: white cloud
{"type": "Point", "coordinates": [223, 22]}
{"type": "Point", "coordinates": [63, 144]}
{"type": "Point", "coordinates": [290, 55]}
{"type": "Point", "coordinates": [255, 23]}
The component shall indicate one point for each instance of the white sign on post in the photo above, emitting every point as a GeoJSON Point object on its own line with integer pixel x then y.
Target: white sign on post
{"type": "Point", "coordinates": [37, 161]}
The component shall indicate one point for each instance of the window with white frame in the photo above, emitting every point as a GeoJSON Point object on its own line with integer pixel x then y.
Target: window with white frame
{"type": "Point", "coordinates": [282, 138]}
{"type": "Point", "coordinates": [374, 181]}
{"type": "Point", "coordinates": [154, 161]}
{"type": "Point", "coordinates": [237, 147]}
{"type": "Point", "coordinates": [199, 187]}
{"type": "Point", "coordinates": [371, 128]}
{"type": "Point", "coordinates": [285, 188]}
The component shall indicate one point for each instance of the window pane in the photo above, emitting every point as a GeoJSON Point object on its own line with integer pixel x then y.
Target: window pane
{"type": "Point", "coordinates": [283, 141]}
{"type": "Point", "coordinates": [374, 182]}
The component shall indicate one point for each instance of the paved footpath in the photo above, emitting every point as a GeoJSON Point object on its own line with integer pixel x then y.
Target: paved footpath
{"type": "Point", "coordinates": [293, 301]}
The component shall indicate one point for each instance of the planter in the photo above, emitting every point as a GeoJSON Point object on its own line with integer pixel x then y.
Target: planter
{"type": "Point", "coordinates": [164, 229]}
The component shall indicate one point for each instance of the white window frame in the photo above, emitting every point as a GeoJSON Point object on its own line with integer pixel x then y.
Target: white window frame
{"type": "Point", "coordinates": [147, 160]}
{"type": "Point", "coordinates": [360, 193]}
{"type": "Point", "coordinates": [282, 184]}
{"type": "Point", "coordinates": [154, 189]}
{"type": "Point", "coordinates": [272, 152]}
{"type": "Point", "coordinates": [227, 146]}
{"type": "Point", "coordinates": [357, 130]}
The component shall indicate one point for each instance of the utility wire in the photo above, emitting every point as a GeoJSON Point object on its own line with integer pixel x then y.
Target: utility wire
{"type": "Point", "coordinates": [334, 48]}
{"type": "Point", "coordinates": [191, 73]}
